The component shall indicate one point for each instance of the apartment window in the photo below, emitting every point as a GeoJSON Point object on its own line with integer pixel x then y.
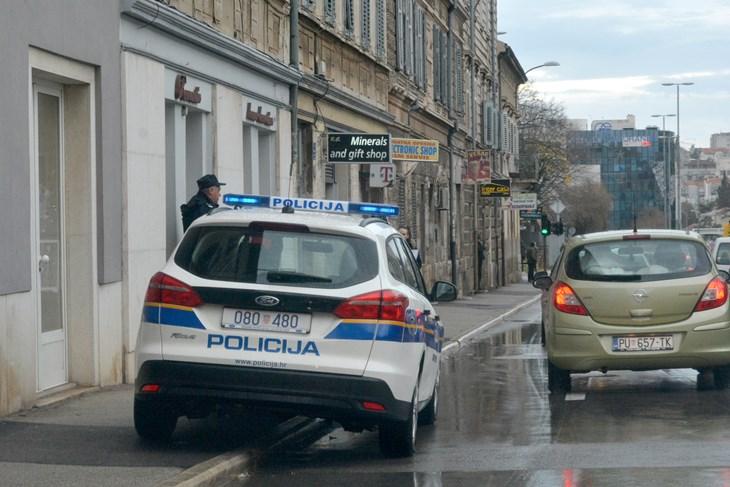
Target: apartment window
{"type": "Point", "coordinates": [329, 12]}
{"type": "Point", "coordinates": [365, 24]}
{"type": "Point", "coordinates": [380, 27]}
{"type": "Point", "coordinates": [349, 18]}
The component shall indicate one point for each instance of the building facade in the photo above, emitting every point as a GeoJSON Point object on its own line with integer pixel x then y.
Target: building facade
{"type": "Point", "coordinates": [61, 186]}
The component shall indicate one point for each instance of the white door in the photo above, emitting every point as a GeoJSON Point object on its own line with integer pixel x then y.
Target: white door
{"type": "Point", "coordinates": [49, 235]}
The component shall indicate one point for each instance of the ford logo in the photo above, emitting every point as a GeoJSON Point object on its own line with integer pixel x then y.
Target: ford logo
{"type": "Point", "coordinates": [267, 300]}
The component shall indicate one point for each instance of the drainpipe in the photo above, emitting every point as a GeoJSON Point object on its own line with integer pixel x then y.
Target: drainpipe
{"type": "Point", "coordinates": [294, 98]}
{"type": "Point", "coordinates": [473, 104]}
{"type": "Point", "coordinates": [452, 131]}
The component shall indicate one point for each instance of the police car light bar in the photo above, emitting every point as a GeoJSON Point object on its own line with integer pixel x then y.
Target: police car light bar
{"type": "Point", "coordinates": [308, 204]}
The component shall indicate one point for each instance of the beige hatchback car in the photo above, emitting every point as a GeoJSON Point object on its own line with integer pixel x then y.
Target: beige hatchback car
{"type": "Point", "coordinates": [651, 299]}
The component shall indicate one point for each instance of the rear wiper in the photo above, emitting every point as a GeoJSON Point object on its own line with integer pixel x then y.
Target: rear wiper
{"type": "Point", "coordinates": [288, 276]}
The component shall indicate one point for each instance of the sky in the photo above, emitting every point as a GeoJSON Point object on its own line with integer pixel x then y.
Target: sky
{"type": "Point", "coordinates": [615, 54]}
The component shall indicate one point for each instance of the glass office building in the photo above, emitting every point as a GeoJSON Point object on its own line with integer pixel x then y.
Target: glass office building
{"type": "Point", "coordinates": [632, 168]}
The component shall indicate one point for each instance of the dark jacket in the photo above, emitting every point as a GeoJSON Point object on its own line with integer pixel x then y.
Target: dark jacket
{"type": "Point", "coordinates": [198, 206]}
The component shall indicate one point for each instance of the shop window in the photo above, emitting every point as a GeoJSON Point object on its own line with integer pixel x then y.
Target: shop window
{"type": "Point", "coordinates": [259, 160]}
{"type": "Point", "coordinates": [188, 155]}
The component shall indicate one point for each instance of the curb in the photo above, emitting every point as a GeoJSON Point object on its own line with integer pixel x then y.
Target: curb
{"type": "Point", "coordinates": [456, 344]}
{"type": "Point", "coordinates": [227, 466]}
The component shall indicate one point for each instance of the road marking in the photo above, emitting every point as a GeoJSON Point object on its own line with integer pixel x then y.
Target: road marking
{"type": "Point", "coordinates": [575, 396]}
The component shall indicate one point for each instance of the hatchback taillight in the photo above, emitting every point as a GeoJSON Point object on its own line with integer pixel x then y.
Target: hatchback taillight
{"type": "Point", "coordinates": [378, 305]}
{"type": "Point", "coordinates": [565, 300]}
{"type": "Point", "coordinates": [168, 290]}
{"type": "Point", "coordinates": [715, 295]}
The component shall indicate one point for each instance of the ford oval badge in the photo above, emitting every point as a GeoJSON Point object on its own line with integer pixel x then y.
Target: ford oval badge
{"type": "Point", "coordinates": [267, 300]}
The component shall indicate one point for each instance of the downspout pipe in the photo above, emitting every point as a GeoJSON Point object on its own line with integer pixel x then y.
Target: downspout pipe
{"type": "Point", "coordinates": [452, 130]}
{"type": "Point", "coordinates": [294, 98]}
{"type": "Point", "coordinates": [473, 102]}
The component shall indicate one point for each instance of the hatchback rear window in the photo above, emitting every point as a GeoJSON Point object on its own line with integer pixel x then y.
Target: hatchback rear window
{"type": "Point", "coordinates": [289, 257]}
{"type": "Point", "coordinates": [723, 253]}
{"type": "Point", "coordinates": [638, 260]}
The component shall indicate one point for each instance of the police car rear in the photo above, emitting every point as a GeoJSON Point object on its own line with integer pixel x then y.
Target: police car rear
{"type": "Point", "coordinates": [307, 311]}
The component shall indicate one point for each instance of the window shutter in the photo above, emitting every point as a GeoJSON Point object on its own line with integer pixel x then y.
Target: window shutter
{"type": "Point", "coordinates": [409, 36]}
{"type": "Point", "coordinates": [365, 24]}
{"type": "Point", "coordinates": [436, 64]}
{"type": "Point", "coordinates": [400, 34]}
{"type": "Point", "coordinates": [329, 173]}
{"type": "Point", "coordinates": [329, 12]}
{"type": "Point", "coordinates": [424, 64]}
{"type": "Point", "coordinates": [380, 26]}
{"type": "Point", "coordinates": [418, 47]}
{"type": "Point", "coordinates": [459, 79]}
{"type": "Point", "coordinates": [486, 124]}
{"type": "Point", "coordinates": [444, 68]}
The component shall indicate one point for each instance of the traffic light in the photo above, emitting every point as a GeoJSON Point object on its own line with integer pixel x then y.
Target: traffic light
{"type": "Point", "coordinates": [545, 224]}
{"type": "Point", "coordinates": [558, 228]}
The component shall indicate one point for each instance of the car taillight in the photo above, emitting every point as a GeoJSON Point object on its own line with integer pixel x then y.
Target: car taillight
{"type": "Point", "coordinates": [378, 305]}
{"type": "Point", "coordinates": [565, 300]}
{"type": "Point", "coordinates": [168, 290]}
{"type": "Point", "coordinates": [715, 295]}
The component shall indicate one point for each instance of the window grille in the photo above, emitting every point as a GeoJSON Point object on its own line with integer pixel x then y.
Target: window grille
{"type": "Point", "coordinates": [380, 26]}
{"type": "Point", "coordinates": [349, 17]}
{"type": "Point", "coordinates": [365, 24]}
{"type": "Point", "coordinates": [329, 12]}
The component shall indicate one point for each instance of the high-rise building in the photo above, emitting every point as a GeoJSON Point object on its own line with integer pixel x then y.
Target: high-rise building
{"type": "Point", "coordinates": [720, 141]}
{"type": "Point", "coordinates": [632, 168]}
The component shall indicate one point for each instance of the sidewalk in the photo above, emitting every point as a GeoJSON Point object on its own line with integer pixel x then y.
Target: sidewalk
{"type": "Point", "coordinates": [464, 316]}
{"type": "Point", "coordinates": [90, 439]}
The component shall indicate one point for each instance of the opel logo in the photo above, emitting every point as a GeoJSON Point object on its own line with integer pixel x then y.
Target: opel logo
{"type": "Point", "coordinates": [267, 300]}
{"type": "Point", "coordinates": [640, 295]}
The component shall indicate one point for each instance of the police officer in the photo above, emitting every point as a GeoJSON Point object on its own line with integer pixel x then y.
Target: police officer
{"type": "Point", "coordinates": [206, 199]}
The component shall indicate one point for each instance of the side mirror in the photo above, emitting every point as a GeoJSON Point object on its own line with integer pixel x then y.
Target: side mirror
{"type": "Point", "coordinates": [539, 274]}
{"type": "Point", "coordinates": [443, 291]}
{"type": "Point", "coordinates": [725, 275]}
{"type": "Point", "coordinates": [543, 281]}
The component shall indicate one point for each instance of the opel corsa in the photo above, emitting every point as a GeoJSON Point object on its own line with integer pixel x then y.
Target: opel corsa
{"type": "Point", "coordinates": [636, 300]}
{"type": "Point", "coordinates": [308, 307]}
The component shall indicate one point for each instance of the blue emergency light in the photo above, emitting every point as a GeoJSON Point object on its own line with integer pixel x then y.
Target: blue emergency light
{"type": "Point", "coordinates": [310, 204]}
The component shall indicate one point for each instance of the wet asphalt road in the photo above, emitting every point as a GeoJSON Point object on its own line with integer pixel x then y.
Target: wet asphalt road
{"type": "Point", "coordinates": [498, 425]}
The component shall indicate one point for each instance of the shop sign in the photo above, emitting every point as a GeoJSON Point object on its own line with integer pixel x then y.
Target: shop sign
{"type": "Point", "coordinates": [182, 94]}
{"type": "Point", "coordinates": [523, 201]}
{"type": "Point", "coordinates": [358, 148]}
{"type": "Point", "coordinates": [498, 188]}
{"type": "Point", "coordinates": [382, 175]}
{"type": "Point", "coordinates": [530, 215]}
{"type": "Point", "coordinates": [257, 116]}
{"type": "Point", "coordinates": [419, 150]}
{"type": "Point", "coordinates": [478, 167]}
{"type": "Point", "coordinates": [636, 141]}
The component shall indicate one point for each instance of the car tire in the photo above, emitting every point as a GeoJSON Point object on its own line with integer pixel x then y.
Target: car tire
{"type": "Point", "coordinates": [558, 379]}
{"type": "Point", "coordinates": [705, 380]}
{"type": "Point", "coordinates": [721, 377]}
{"type": "Point", "coordinates": [154, 421]}
{"type": "Point", "coordinates": [398, 438]}
{"type": "Point", "coordinates": [429, 414]}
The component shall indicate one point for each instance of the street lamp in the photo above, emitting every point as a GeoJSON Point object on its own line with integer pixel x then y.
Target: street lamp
{"type": "Point", "coordinates": [546, 63]}
{"type": "Point", "coordinates": [667, 217]}
{"type": "Point", "coordinates": [678, 157]}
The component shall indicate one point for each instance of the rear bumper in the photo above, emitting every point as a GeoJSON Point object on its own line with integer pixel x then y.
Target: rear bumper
{"type": "Point", "coordinates": [591, 351]}
{"type": "Point", "coordinates": [332, 396]}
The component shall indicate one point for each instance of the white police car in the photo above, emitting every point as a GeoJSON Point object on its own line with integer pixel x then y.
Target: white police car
{"type": "Point", "coordinates": [312, 307]}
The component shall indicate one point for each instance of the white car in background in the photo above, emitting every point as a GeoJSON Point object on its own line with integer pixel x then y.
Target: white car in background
{"type": "Point", "coordinates": [721, 253]}
{"type": "Point", "coordinates": [310, 307]}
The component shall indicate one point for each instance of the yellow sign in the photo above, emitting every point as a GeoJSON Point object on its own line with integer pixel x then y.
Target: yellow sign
{"type": "Point", "coordinates": [421, 150]}
{"type": "Point", "coordinates": [726, 230]}
{"type": "Point", "coordinates": [498, 188]}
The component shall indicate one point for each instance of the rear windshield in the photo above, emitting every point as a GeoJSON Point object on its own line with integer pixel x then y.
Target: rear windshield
{"type": "Point", "coordinates": [638, 260]}
{"type": "Point", "coordinates": [723, 253]}
{"type": "Point", "coordinates": [277, 256]}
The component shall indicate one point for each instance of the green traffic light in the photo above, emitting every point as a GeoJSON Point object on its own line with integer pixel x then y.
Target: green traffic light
{"type": "Point", "coordinates": [545, 231]}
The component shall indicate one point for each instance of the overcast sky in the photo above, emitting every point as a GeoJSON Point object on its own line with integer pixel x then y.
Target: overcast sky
{"type": "Point", "coordinates": [614, 55]}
